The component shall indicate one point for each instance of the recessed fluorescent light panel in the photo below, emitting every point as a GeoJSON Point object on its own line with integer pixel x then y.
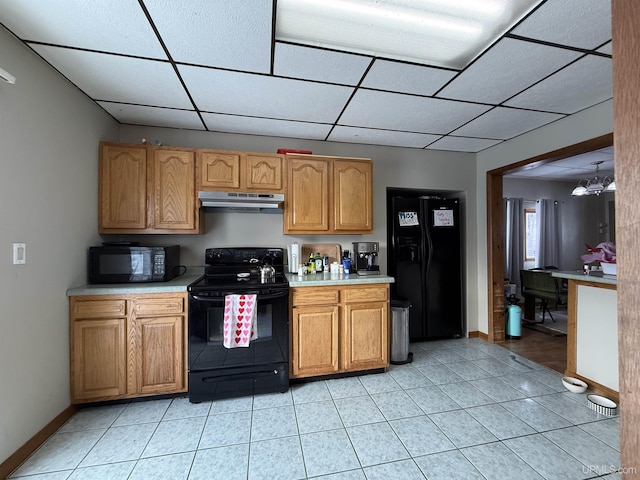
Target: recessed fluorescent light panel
{"type": "Point", "coordinates": [445, 33]}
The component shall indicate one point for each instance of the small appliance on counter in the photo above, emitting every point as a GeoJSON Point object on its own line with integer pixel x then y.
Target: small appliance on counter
{"type": "Point", "coordinates": [365, 258]}
{"type": "Point", "coordinates": [129, 262]}
{"type": "Point", "coordinates": [294, 257]}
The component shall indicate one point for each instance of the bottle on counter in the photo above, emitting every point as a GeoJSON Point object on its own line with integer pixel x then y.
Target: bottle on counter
{"type": "Point", "coordinates": [346, 262]}
{"type": "Point", "coordinates": [318, 260]}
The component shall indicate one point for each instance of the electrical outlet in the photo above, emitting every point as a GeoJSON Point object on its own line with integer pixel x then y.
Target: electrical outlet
{"type": "Point", "coordinates": [19, 253]}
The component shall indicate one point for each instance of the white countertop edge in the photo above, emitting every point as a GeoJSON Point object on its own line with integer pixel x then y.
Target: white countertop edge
{"type": "Point", "coordinates": [322, 280]}
{"type": "Point", "coordinates": [178, 284]}
{"type": "Point", "coordinates": [596, 277]}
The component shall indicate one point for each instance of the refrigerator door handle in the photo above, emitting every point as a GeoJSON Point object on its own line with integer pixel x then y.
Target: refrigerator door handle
{"type": "Point", "coordinates": [427, 245]}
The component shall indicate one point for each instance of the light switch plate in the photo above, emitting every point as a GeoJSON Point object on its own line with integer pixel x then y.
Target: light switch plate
{"type": "Point", "coordinates": [19, 253]}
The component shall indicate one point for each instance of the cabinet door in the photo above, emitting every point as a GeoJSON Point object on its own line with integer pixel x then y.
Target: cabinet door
{"type": "Point", "coordinates": [98, 359]}
{"type": "Point", "coordinates": [353, 199]}
{"type": "Point", "coordinates": [123, 187]}
{"type": "Point", "coordinates": [263, 173]}
{"type": "Point", "coordinates": [314, 349]}
{"type": "Point", "coordinates": [307, 204]}
{"type": "Point", "coordinates": [366, 342]}
{"type": "Point", "coordinates": [159, 359]}
{"type": "Point", "coordinates": [219, 170]}
{"type": "Point", "coordinates": [174, 190]}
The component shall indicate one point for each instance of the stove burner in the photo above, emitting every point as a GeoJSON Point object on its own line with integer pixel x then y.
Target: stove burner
{"type": "Point", "coordinates": [239, 269]}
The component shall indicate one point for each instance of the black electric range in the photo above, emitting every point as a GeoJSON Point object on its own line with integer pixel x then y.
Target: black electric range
{"type": "Point", "coordinates": [217, 367]}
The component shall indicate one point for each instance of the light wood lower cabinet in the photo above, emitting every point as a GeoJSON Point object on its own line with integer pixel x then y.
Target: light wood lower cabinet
{"type": "Point", "coordinates": [125, 346]}
{"type": "Point", "coordinates": [339, 329]}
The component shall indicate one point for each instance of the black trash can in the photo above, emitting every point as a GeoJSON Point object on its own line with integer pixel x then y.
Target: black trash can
{"type": "Point", "coordinates": [400, 353]}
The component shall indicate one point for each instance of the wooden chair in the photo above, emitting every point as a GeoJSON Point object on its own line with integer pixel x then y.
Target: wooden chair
{"type": "Point", "coordinates": [539, 284]}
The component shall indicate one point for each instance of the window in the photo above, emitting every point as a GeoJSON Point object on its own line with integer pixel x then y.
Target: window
{"type": "Point", "coordinates": [530, 235]}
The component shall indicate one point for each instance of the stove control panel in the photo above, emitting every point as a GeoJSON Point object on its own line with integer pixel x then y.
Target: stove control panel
{"type": "Point", "coordinates": [244, 256]}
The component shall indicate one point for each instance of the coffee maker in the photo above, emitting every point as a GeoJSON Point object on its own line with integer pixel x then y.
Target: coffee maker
{"type": "Point", "coordinates": [365, 258]}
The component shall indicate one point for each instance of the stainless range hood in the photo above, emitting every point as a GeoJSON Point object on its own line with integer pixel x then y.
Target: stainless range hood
{"type": "Point", "coordinates": [242, 202]}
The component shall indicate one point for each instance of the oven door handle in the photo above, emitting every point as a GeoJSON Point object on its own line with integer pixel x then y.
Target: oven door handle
{"type": "Point", "coordinates": [260, 297]}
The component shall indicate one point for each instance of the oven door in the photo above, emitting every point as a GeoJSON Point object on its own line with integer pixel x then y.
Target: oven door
{"type": "Point", "coordinates": [216, 371]}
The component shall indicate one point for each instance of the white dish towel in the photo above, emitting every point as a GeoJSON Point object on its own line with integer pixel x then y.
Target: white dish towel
{"type": "Point", "coordinates": [239, 320]}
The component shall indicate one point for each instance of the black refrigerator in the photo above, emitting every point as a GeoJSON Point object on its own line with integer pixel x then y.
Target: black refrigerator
{"type": "Point", "coordinates": [426, 262]}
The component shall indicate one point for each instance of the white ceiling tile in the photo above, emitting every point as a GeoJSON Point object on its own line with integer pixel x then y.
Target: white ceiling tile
{"type": "Point", "coordinates": [505, 70]}
{"type": "Point", "coordinates": [549, 170]}
{"type": "Point", "coordinates": [608, 150]}
{"type": "Point", "coordinates": [586, 159]}
{"type": "Point", "coordinates": [576, 23]}
{"type": "Point", "coordinates": [240, 95]}
{"type": "Point", "coordinates": [504, 123]}
{"type": "Point", "coordinates": [395, 111]}
{"type": "Point", "coordinates": [406, 78]}
{"type": "Point", "coordinates": [265, 126]}
{"type": "Point", "coordinates": [321, 65]}
{"type": "Point", "coordinates": [606, 48]}
{"type": "Point", "coordinates": [153, 116]}
{"type": "Point", "coordinates": [116, 78]}
{"type": "Point", "coordinates": [120, 27]}
{"type": "Point", "coordinates": [582, 84]}
{"type": "Point", "coordinates": [462, 144]}
{"type": "Point", "coordinates": [232, 34]}
{"type": "Point", "coordinates": [219, 91]}
{"type": "Point", "coordinates": [380, 137]}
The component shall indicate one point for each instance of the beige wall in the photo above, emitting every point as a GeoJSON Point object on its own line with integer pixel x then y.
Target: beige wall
{"type": "Point", "coordinates": [590, 123]}
{"type": "Point", "coordinates": [580, 218]}
{"type": "Point", "coordinates": [48, 142]}
{"type": "Point", "coordinates": [49, 133]}
{"type": "Point", "coordinates": [392, 167]}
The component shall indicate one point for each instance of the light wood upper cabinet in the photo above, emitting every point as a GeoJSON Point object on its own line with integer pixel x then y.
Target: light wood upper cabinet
{"type": "Point", "coordinates": [147, 190]}
{"type": "Point", "coordinates": [125, 346]}
{"type": "Point", "coordinates": [307, 202]}
{"type": "Point", "coordinates": [263, 172]}
{"type": "Point", "coordinates": [221, 170]}
{"type": "Point", "coordinates": [352, 196]}
{"type": "Point", "coordinates": [328, 195]}
{"type": "Point", "coordinates": [174, 190]}
{"type": "Point", "coordinates": [123, 187]}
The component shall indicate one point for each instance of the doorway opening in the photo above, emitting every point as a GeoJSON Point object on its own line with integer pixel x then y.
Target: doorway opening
{"type": "Point", "coordinates": [495, 227]}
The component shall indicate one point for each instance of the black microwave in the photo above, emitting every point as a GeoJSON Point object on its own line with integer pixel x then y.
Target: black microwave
{"type": "Point", "coordinates": [133, 263]}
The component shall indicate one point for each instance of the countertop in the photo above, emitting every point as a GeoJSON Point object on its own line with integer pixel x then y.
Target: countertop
{"type": "Point", "coordinates": [327, 280]}
{"type": "Point", "coordinates": [178, 284]}
{"type": "Point", "coordinates": [595, 277]}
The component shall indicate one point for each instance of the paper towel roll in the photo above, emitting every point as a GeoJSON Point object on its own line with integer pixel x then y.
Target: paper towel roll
{"type": "Point", "coordinates": [294, 257]}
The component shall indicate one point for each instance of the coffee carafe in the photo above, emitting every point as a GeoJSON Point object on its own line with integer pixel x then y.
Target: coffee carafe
{"type": "Point", "coordinates": [365, 258]}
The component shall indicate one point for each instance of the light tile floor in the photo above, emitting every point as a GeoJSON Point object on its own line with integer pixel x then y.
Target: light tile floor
{"type": "Point", "coordinates": [464, 409]}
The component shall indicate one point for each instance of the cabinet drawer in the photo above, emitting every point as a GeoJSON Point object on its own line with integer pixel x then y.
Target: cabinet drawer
{"type": "Point", "coordinates": [158, 306]}
{"type": "Point", "coordinates": [315, 296]}
{"type": "Point", "coordinates": [373, 294]}
{"type": "Point", "coordinates": [81, 308]}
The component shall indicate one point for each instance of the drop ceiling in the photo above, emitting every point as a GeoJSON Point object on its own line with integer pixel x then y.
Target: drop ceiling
{"type": "Point", "coordinates": [216, 66]}
{"type": "Point", "coordinates": [571, 169]}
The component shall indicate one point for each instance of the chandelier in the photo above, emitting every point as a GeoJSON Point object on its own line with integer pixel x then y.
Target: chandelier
{"type": "Point", "coordinates": [596, 185]}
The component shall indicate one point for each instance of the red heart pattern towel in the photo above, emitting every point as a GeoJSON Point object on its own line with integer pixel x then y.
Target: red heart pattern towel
{"type": "Point", "coordinates": [239, 320]}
